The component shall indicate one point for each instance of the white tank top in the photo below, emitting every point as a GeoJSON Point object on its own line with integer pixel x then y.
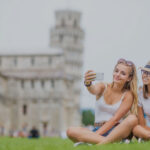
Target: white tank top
{"type": "Point", "coordinates": [104, 111]}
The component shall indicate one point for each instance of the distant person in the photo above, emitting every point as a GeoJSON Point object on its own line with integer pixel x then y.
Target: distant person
{"type": "Point", "coordinates": [143, 129]}
{"type": "Point", "coordinates": [11, 132]}
{"type": "Point", "coordinates": [114, 101]}
{"type": "Point", "coordinates": [34, 133]}
{"type": "Point", "coordinates": [21, 134]}
{"type": "Point", "coordinates": [2, 130]}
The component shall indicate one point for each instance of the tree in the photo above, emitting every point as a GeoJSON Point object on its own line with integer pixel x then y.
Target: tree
{"type": "Point", "coordinates": [87, 117]}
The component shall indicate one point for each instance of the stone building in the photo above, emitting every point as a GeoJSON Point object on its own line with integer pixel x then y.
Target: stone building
{"type": "Point", "coordinates": [43, 89]}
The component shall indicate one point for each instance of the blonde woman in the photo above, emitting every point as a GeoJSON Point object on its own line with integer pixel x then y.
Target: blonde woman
{"type": "Point", "coordinates": [113, 102]}
{"type": "Point", "coordinates": [143, 129]}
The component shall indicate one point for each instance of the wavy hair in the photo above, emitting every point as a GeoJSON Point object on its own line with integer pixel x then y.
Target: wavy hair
{"type": "Point", "coordinates": [131, 85]}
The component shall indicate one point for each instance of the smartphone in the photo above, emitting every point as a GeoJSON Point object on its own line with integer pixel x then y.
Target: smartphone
{"type": "Point", "coordinates": [99, 76]}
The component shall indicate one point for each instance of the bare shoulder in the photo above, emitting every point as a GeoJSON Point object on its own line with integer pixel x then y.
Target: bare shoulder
{"type": "Point", "coordinates": [129, 95]}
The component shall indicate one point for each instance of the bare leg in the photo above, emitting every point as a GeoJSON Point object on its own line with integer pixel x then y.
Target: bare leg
{"type": "Point", "coordinates": [70, 133]}
{"type": "Point", "coordinates": [122, 130]}
{"type": "Point", "coordinates": [79, 134]}
{"type": "Point", "coordinates": [141, 132]}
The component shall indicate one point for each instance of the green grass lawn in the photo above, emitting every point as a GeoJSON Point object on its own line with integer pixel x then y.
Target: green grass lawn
{"type": "Point", "coordinates": [7, 143]}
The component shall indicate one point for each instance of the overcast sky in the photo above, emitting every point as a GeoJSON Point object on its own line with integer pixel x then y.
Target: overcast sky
{"type": "Point", "coordinates": [113, 29]}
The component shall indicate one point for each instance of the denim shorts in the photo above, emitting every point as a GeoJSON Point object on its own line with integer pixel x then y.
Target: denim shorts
{"type": "Point", "coordinates": [105, 134]}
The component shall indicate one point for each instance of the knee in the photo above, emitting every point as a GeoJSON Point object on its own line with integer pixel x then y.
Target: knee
{"type": "Point", "coordinates": [71, 132]}
{"type": "Point", "coordinates": [147, 135]}
{"type": "Point", "coordinates": [132, 120]}
{"type": "Point", "coordinates": [135, 129]}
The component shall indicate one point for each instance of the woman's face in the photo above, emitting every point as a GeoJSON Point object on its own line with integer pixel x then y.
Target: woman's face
{"type": "Point", "coordinates": [146, 77]}
{"type": "Point", "coordinates": [121, 74]}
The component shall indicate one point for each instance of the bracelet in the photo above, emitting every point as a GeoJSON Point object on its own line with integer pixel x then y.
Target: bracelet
{"type": "Point", "coordinates": [87, 85]}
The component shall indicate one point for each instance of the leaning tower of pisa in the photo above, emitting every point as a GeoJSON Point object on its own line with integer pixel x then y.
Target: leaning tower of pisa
{"type": "Point", "coordinates": [68, 35]}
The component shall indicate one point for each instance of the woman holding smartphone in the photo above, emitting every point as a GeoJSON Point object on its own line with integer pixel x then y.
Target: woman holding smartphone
{"type": "Point", "coordinates": [113, 102]}
{"type": "Point", "coordinates": [143, 129]}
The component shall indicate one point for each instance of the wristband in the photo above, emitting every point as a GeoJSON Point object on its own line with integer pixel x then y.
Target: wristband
{"type": "Point", "coordinates": [87, 85]}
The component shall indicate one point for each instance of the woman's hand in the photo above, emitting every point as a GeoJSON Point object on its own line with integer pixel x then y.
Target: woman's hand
{"type": "Point", "coordinates": [89, 77]}
{"type": "Point", "coordinates": [95, 89]}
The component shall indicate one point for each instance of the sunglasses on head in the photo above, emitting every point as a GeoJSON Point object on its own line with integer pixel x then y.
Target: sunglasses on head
{"type": "Point", "coordinates": [145, 72]}
{"type": "Point", "coordinates": [129, 63]}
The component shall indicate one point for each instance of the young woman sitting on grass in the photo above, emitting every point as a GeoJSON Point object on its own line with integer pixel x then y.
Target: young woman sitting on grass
{"type": "Point", "coordinates": [143, 129]}
{"type": "Point", "coordinates": [113, 102]}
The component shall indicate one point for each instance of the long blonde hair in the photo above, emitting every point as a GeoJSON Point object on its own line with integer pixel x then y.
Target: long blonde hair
{"type": "Point", "coordinates": [132, 84]}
